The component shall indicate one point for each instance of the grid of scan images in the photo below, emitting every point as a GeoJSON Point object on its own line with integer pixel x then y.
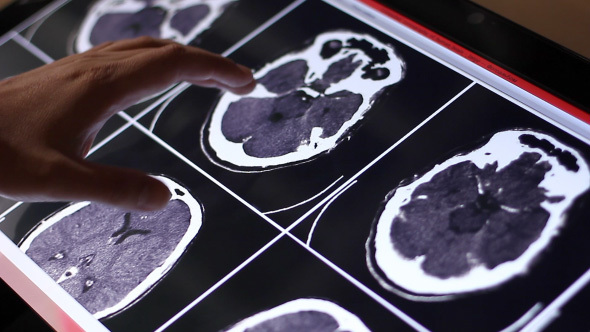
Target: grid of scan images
{"type": "Point", "coordinates": [362, 186]}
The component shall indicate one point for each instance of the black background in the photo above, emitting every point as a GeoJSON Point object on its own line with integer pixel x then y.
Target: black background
{"type": "Point", "coordinates": [574, 316]}
{"type": "Point", "coordinates": [16, 60]}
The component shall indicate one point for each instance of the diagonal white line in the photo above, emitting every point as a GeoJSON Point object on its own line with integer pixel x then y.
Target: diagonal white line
{"type": "Point", "coordinates": [317, 219]}
{"type": "Point", "coordinates": [307, 200]}
{"type": "Point", "coordinates": [198, 169]}
{"type": "Point", "coordinates": [7, 36]}
{"type": "Point", "coordinates": [167, 97]}
{"type": "Point", "coordinates": [393, 309]}
{"type": "Point", "coordinates": [516, 326]}
{"type": "Point", "coordinates": [218, 284]}
{"type": "Point", "coordinates": [108, 138]}
{"type": "Point", "coordinates": [263, 27]}
{"type": "Point", "coordinates": [9, 210]}
{"type": "Point", "coordinates": [381, 156]}
{"type": "Point", "coordinates": [345, 186]}
{"type": "Point", "coordinates": [550, 312]}
{"type": "Point", "coordinates": [32, 48]}
{"type": "Point", "coordinates": [55, 5]}
{"type": "Point", "coordinates": [32, 30]}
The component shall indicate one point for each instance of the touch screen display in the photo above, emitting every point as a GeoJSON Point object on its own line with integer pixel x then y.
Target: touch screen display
{"type": "Point", "coordinates": [370, 182]}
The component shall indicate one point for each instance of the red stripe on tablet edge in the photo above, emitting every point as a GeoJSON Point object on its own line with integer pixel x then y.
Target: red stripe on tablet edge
{"type": "Point", "coordinates": [482, 62]}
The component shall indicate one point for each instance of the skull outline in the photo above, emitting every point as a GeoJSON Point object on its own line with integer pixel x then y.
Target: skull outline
{"type": "Point", "coordinates": [366, 77]}
{"type": "Point", "coordinates": [48, 251]}
{"type": "Point", "coordinates": [101, 8]}
{"type": "Point", "coordinates": [405, 277]}
{"type": "Point", "coordinates": [345, 320]}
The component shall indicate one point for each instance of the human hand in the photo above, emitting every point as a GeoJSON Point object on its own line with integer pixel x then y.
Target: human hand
{"type": "Point", "coordinates": [49, 118]}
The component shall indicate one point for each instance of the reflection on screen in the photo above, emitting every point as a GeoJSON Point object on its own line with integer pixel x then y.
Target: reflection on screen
{"type": "Point", "coordinates": [479, 218]}
{"type": "Point", "coordinates": [107, 258]}
{"type": "Point", "coordinates": [306, 102]}
{"type": "Point", "coordinates": [180, 20]}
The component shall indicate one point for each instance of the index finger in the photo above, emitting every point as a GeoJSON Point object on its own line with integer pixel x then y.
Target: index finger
{"type": "Point", "coordinates": [147, 71]}
{"type": "Point", "coordinates": [175, 62]}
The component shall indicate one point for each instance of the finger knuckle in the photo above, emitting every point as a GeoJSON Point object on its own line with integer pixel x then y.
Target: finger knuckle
{"type": "Point", "coordinates": [173, 51]}
{"type": "Point", "coordinates": [102, 45]}
{"type": "Point", "coordinates": [147, 40]}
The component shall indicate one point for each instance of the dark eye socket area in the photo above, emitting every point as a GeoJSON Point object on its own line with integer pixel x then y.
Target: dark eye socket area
{"type": "Point", "coordinates": [331, 48]}
{"type": "Point", "coordinates": [376, 74]}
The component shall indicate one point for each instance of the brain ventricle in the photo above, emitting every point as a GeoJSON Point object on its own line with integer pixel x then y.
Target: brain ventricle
{"type": "Point", "coordinates": [105, 257]}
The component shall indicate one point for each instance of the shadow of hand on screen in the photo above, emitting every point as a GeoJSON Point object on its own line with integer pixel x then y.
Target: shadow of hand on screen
{"type": "Point", "coordinates": [51, 115]}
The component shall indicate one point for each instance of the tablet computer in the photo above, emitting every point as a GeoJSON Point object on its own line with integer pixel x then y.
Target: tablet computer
{"type": "Point", "coordinates": [388, 173]}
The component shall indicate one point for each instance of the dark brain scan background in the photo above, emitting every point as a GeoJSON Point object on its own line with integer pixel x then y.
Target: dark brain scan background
{"type": "Point", "coordinates": [305, 103]}
{"type": "Point", "coordinates": [479, 218]}
{"type": "Point", "coordinates": [178, 20]}
{"type": "Point", "coordinates": [107, 258]}
{"type": "Point", "coordinates": [309, 315]}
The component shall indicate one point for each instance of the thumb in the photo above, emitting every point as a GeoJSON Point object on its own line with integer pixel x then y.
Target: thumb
{"type": "Point", "coordinates": [125, 188]}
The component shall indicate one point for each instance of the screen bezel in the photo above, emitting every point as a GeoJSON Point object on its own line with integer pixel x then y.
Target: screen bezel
{"type": "Point", "coordinates": [505, 43]}
{"type": "Point", "coordinates": [18, 12]}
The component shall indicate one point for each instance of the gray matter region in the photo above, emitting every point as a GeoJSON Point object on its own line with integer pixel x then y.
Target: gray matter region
{"type": "Point", "coordinates": [285, 78]}
{"type": "Point", "coordinates": [302, 321]}
{"type": "Point", "coordinates": [113, 251]}
{"type": "Point", "coordinates": [456, 221]}
{"type": "Point", "coordinates": [271, 127]}
{"type": "Point", "coordinates": [291, 75]}
{"type": "Point", "coordinates": [117, 26]}
{"type": "Point", "coordinates": [146, 22]}
{"type": "Point", "coordinates": [185, 20]}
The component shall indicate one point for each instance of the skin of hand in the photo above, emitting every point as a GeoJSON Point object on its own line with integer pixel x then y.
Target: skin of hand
{"type": "Point", "coordinates": [49, 118]}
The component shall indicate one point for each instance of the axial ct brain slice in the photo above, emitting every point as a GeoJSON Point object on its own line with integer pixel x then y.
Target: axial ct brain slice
{"type": "Point", "coordinates": [302, 315]}
{"type": "Point", "coordinates": [179, 20]}
{"type": "Point", "coordinates": [305, 103]}
{"type": "Point", "coordinates": [479, 218]}
{"type": "Point", "coordinates": [108, 258]}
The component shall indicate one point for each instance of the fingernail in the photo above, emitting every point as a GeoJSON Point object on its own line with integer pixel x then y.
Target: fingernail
{"type": "Point", "coordinates": [153, 197]}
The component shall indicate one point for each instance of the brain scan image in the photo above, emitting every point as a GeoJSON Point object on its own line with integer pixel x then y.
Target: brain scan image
{"type": "Point", "coordinates": [302, 315]}
{"type": "Point", "coordinates": [107, 258]}
{"type": "Point", "coordinates": [306, 103]}
{"type": "Point", "coordinates": [478, 219]}
{"type": "Point", "coordinates": [178, 20]}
